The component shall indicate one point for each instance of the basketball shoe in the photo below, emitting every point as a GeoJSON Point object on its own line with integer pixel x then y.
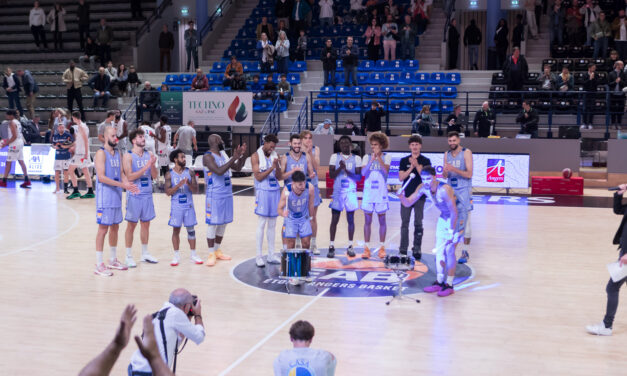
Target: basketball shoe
{"type": "Point", "coordinates": [435, 287]}
{"type": "Point", "coordinates": [222, 256]}
{"type": "Point", "coordinates": [115, 264]}
{"type": "Point", "coordinates": [366, 254]}
{"type": "Point", "coordinates": [102, 270]}
{"type": "Point", "coordinates": [446, 290]}
{"type": "Point", "coordinates": [599, 329]}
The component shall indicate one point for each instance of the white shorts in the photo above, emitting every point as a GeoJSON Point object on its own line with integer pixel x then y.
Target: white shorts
{"type": "Point", "coordinates": [61, 164]}
{"type": "Point", "coordinates": [80, 161]}
{"type": "Point", "coordinates": [344, 201]}
{"type": "Point", "coordinates": [370, 207]}
{"type": "Point", "coordinates": [15, 152]}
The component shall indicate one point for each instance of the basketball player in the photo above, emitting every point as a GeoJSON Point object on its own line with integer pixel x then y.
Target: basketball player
{"type": "Point", "coordinates": [457, 169]}
{"type": "Point", "coordinates": [345, 170]}
{"type": "Point", "coordinates": [302, 359]}
{"type": "Point", "coordinates": [109, 121]}
{"type": "Point", "coordinates": [139, 167]}
{"type": "Point", "coordinates": [185, 140]}
{"type": "Point", "coordinates": [61, 142]}
{"type": "Point", "coordinates": [313, 154]}
{"type": "Point", "coordinates": [15, 152]}
{"type": "Point", "coordinates": [180, 183]}
{"type": "Point", "coordinates": [219, 193]}
{"type": "Point", "coordinates": [150, 137]}
{"type": "Point", "coordinates": [121, 131]}
{"type": "Point", "coordinates": [449, 229]}
{"type": "Point", "coordinates": [110, 180]}
{"type": "Point", "coordinates": [163, 134]}
{"type": "Point", "coordinates": [375, 169]}
{"type": "Point", "coordinates": [297, 202]}
{"type": "Point", "coordinates": [267, 173]}
{"type": "Point", "coordinates": [81, 158]}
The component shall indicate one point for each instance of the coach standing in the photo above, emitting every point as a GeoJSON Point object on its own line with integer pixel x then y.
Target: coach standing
{"type": "Point", "coordinates": [604, 328]}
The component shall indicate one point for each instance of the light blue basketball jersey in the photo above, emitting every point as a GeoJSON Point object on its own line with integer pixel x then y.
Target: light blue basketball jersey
{"type": "Point", "coordinates": [343, 183]}
{"type": "Point", "coordinates": [270, 183]}
{"type": "Point", "coordinates": [182, 199]}
{"type": "Point", "coordinates": [298, 205]}
{"type": "Point", "coordinates": [109, 196]}
{"type": "Point", "coordinates": [144, 182]}
{"type": "Point", "coordinates": [291, 163]}
{"type": "Point", "coordinates": [461, 185]}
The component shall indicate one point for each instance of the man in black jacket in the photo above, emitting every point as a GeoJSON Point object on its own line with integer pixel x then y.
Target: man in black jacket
{"type": "Point", "coordinates": [472, 39]}
{"type": "Point", "coordinates": [350, 59]}
{"type": "Point", "coordinates": [329, 58]}
{"type": "Point", "coordinates": [453, 44]}
{"type": "Point", "coordinates": [166, 45]}
{"type": "Point", "coordinates": [590, 87]}
{"type": "Point", "coordinates": [604, 328]}
{"type": "Point", "coordinates": [515, 70]}
{"type": "Point", "coordinates": [528, 119]}
{"type": "Point", "coordinates": [616, 81]}
{"type": "Point", "coordinates": [100, 83]}
{"type": "Point", "coordinates": [372, 119]}
{"type": "Point", "coordinates": [82, 15]}
{"type": "Point", "coordinates": [150, 100]}
{"type": "Point", "coordinates": [485, 120]}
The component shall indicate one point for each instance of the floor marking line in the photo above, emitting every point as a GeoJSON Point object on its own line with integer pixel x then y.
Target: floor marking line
{"type": "Point", "coordinates": [272, 333]}
{"type": "Point", "coordinates": [243, 190]}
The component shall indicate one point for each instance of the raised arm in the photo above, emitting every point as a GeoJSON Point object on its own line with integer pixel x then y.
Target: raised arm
{"type": "Point", "coordinates": [283, 203]}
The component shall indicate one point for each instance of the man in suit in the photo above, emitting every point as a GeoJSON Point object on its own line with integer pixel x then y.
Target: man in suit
{"type": "Point", "coordinates": [590, 87]}
{"type": "Point", "coordinates": [604, 328]}
{"type": "Point", "coordinates": [616, 82]}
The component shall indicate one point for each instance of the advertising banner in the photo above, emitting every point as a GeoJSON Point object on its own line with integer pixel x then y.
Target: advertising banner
{"type": "Point", "coordinates": [172, 107]}
{"type": "Point", "coordinates": [218, 108]}
{"type": "Point", "coordinates": [39, 159]}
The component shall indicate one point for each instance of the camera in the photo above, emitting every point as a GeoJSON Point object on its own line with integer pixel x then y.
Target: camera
{"type": "Point", "coordinates": [194, 302]}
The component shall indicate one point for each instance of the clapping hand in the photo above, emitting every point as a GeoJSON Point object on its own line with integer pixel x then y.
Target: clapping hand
{"type": "Point", "coordinates": [126, 323]}
{"type": "Point", "coordinates": [342, 165]}
{"type": "Point", "coordinates": [148, 344]}
{"type": "Point", "coordinates": [130, 187]}
{"type": "Point", "coordinates": [239, 151]}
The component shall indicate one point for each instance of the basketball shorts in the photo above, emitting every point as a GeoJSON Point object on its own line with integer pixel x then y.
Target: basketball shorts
{"type": "Point", "coordinates": [140, 208]}
{"type": "Point", "coordinates": [443, 229]}
{"type": "Point", "coordinates": [182, 217]}
{"type": "Point", "coordinates": [267, 203]}
{"type": "Point", "coordinates": [370, 207]}
{"type": "Point", "coordinates": [317, 197]}
{"type": "Point", "coordinates": [344, 201]}
{"type": "Point", "coordinates": [109, 216]}
{"type": "Point", "coordinates": [15, 152]}
{"type": "Point", "coordinates": [293, 228]}
{"type": "Point", "coordinates": [80, 161]}
{"type": "Point", "coordinates": [219, 210]}
{"type": "Point", "coordinates": [61, 164]}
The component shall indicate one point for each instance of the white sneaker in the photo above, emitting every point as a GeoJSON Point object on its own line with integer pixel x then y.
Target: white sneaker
{"type": "Point", "coordinates": [274, 259]}
{"type": "Point", "coordinates": [589, 126]}
{"type": "Point", "coordinates": [314, 249]}
{"type": "Point", "coordinates": [583, 126]}
{"type": "Point", "coordinates": [259, 261]}
{"type": "Point", "coordinates": [102, 270]}
{"type": "Point", "coordinates": [599, 329]}
{"type": "Point", "coordinates": [149, 259]}
{"type": "Point", "coordinates": [175, 261]}
{"type": "Point", "coordinates": [196, 260]}
{"type": "Point", "coordinates": [130, 262]}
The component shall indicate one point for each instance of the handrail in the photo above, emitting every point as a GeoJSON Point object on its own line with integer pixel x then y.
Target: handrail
{"type": "Point", "coordinates": [220, 9]}
{"type": "Point", "coordinates": [272, 125]}
{"type": "Point", "coordinates": [145, 28]}
{"type": "Point", "coordinates": [130, 111]}
{"type": "Point", "coordinates": [302, 118]}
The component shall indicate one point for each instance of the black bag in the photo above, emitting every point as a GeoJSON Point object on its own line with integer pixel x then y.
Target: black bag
{"type": "Point", "coordinates": [30, 132]}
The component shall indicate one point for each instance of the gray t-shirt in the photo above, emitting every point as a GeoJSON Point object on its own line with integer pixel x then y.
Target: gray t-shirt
{"type": "Point", "coordinates": [298, 360]}
{"type": "Point", "coordinates": [185, 136]}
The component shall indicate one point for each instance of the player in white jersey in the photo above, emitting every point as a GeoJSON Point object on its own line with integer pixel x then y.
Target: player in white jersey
{"type": "Point", "coordinates": [15, 143]}
{"type": "Point", "coordinates": [302, 359]}
{"type": "Point", "coordinates": [163, 135]}
{"type": "Point", "coordinates": [150, 137]}
{"type": "Point", "coordinates": [109, 121]}
{"type": "Point", "coordinates": [375, 168]}
{"type": "Point", "coordinates": [121, 131]}
{"type": "Point", "coordinates": [81, 158]}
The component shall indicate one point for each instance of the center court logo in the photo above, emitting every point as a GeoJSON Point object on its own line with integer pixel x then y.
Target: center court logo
{"type": "Point", "coordinates": [237, 111]}
{"type": "Point", "coordinates": [346, 277]}
{"type": "Point", "coordinates": [495, 171]}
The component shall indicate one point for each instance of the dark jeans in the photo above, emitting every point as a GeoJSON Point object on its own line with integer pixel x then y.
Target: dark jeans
{"type": "Point", "coordinates": [282, 64]}
{"type": "Point", "coordinates": [329, 77]}
{"type": "Point", "coordinates": [600, 48]}
{"type": "Point", "coordinates": [58, 40]}
{"type": "Point", "coordinates": [417, 208]}
{"type": "Point", "coordinates": [266, 67]}
{"type": "Point", "coordinates": [350, 71]}
{"type": "Point", "coordinates": [153, 109]}
{"type": "Point", "coordinates": [612, 290]}
{"type": "Point", "coordinates": [39, 34]}
{"type": "Point", "coordinates": [621, 47]}
{"type": "Point", "coordinates": [164, 53]}
{"type": "Point", "coordinates": [408, 50]}
{"type": "Point", "coordinates": [83, 33]}
{"type": "Point", "coordinates": [192, 52]}
{"type": "Point", "coordinates": [617, 108]}
{"type": "Point", "coordinates": [588, 114]}
{"type": "Point", "coordinates": [72, 94]}
{"type": "Point", "coordinates": [105, 54]}
{"type": "Point", "coordinates": [14, 101]}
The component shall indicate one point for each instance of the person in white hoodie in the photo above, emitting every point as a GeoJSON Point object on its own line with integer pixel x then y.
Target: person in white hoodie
{"type": "Point", "coordinates": [37, 21]}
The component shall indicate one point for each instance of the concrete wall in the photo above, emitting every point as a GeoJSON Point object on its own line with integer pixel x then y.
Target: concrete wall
{"type": "Point", "coordinates": [617, 156]}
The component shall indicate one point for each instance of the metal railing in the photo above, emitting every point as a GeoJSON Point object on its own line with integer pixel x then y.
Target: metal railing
{"type": "Point", "coordinates": [130, 114]}
{"type": "Point", "coordinates": [272, 124]}
{"type": "Point", "coordinates": [217, 13]}
{"type": "Point", "coordinates": [301, 122]}
{"type": "Point", "coordinates": [156, 14]}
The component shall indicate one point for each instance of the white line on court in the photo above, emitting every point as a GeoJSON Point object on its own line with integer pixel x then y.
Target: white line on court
{"type": "Point", "coordinates": [74, 224]}
{"type": "Point", "coordinates": [243, 190]}
{"type": "Point", "coordinates": [272, 333]}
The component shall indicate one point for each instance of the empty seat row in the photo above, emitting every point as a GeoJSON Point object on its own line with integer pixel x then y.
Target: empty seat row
{"type": "Point", "coordinates": [265, 105]}
{"type": "Point", "coordinates": [403, 78]}
{"type": "Point", "coordinates": [395, 106]}
{"type": "Point", "coordinates": [255, 66]}
{"type": "Point", "coordinates": [217, 79]}
{"type": "Point", "coordinates": [388, 91]}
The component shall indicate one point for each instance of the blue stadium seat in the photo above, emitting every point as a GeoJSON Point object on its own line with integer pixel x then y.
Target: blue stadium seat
{"type": "Point", "coordinates": [256, 12]}
{"type": "Point", "coordinates": [396, 65]}
{"type": "Point", "coordinates": [298, 66]}
{"type": "Point", "coordinates": [326, 92]}
{"type": "Point", "coordinates": [437, 78]}
{"type": "Point", "coordinates": [187, 88]}
{"type": "Point", "coordinates": [237, 43]}
{"type": "Point", "coordinates": [229, 52]}
{"type": "Point", "coordinates": [433, 105]}
{"type": "Point", "coordinates": [339, 66]}
{"type": "Point", "coordinates": [453, 79]}
{"type": "Point", "coordinates": [350, 105]}
{"type": "Point", "coordinates": [293, 78]}
{"type": "Point", "coordinates": [347, 30]}
{"type": "Point", "coordinates": [250, 44]}
{"type": "Point", "coordinates": [337, 42]}
{"type": "Point", "coordinates": [251, 22]}
{"type": "Point", "coordinates": [214, 79]}
{"type": "Point", "coordinates": [418, 91]}
{"type": "Point", "coordinates": [339, 77]}
{"type": "Point", "coordinates": [386, 91]}
{"type": "Point", "coordinates": [382, 65]}
{"type": "Point", "coordinates": [343, 91]}
{"type": "Point", "coordinates": [363, 78]}
{"type": "Point", "coordinates": [356, 91]}
{"type": "Point", "coordinates": [406, 78]}
{"type": "Point", "coordinates": [333, 105]}
{"type": "Point", "coordinates": [317, 32]}
{"type": "Point", "coordinates": [217, 88]}
{"type": "Point", "coordinates": [263, 78]}
{"type": "Point", "coordinates": [170, 79]}
{"type": "Point", "coordinates": [361, 41]}
{"type": "Point", "coordinates": [376, 78]}
{"type": "Point", "coordinates": [449, 92]}
{"type": "Point", "coordinates": [315, 43]}
{"type": "Point", "coordinates": [319, 105]}
{"type": "Point", "coordinates": [432, 92]}
{"type": "Point", "coordinates": [219, 67]}
{"type": "Point", "coordinates": [242, 54]}
{"type": "Point", "coordinates": [313, 53]}
{"type": "Point", "coordinates": [365, 105]}
{"type": "Point", "coordinates": [421, 78]}
{"type": "Point", "coordinates": [397, 106]}
{"type": "Point", "coordinates": [392, 78]}
{"type": "Point", "coordinates": [402, 92]}
{"type": "Point", "coordinates": [372, 91]}
{"type": "Point", "coordinates": [446, 107]}
{"type": "Point", "coordinates": [411, 65]}
{"type": "Point", "coordinates": [176, 88]}
{"type": "Point", "coordinates": [262, 105]}
{"type": "Point", "coordinates": [365, 66]}
{"type": "Point", "coordinates": [185, 79]}
{"type": "Point", "coordinates": [415, 103]}
{"type": "Point", "coordinates": [249, 66]}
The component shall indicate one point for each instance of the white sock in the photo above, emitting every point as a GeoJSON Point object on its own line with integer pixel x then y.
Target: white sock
{"type": "Point", "coordinates": [331, 243]}
{"type": "Point", "coordinates": [112, 253]}
{"type": "Point", "coordinates": [270, 233]}
{"type": "Point", "coordinates": [381, 245]}
{"type": "Point", "coordinates": [177, 255]}
{"type": "Point", "coordinates": [449, 280]}
{"type": "Point", "coordinates": [193, 253]}
{"type": "Point", "coordinates": [313, 240]}
{"type": "Point", "coordinates": [129, 252]}
{"type": "Point", "coordinates": [284, 246]}
{"type": "Point", "coordinates": [98, 258]}
{"type": "Point", "coordinates": [440, 278]}
{"type": "Point", "coordinates": [261, 224]}
{"type": "Point", "coordinates": [144, 249]}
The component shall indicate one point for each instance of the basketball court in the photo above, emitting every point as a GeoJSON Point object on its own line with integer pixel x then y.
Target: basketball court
{"type": "Point", "coordinates": [535, 278]}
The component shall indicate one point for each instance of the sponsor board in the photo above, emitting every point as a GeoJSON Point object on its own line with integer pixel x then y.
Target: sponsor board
{"type": "Point", "coordinates": [218, 108]}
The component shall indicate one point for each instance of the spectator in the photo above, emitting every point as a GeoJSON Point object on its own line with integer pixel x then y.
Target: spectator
{"type": "Point", "coordinates": [265, 27]}
{"type": "Point", "coordinates": [372, 119]}
{"type": "Point", "coordinates": [122, 79]}
{"type": "Point", "coordinates": [166, 45]}
{"type": "Point", "coordinates": [453, 44]}
{"type": "Point", "coordinates": [329, 58]}
{"type": "Point", "coordinates": [619, 27]}
{"type": "Point", "coordinates": [393, 9]}
{"type": "Point", "coordinates": [423, 122]}
{"type": "Point", "coordinates": [270, 88]}
{"type": "Point", "coordinates": [100, 83]}
{"type": "Point", "coordinates": [528, 119]}
{"type": "Point", "coordinates": [518, 34]}
{"type": "Point", "coordinates": [357, 7]}
{"type": "Point", "coordinates": [283, 11]}
{"type": "Point", "coordinates": [164, 87]}
{"type": "Point", "coordinates": [408, 37]}
{"type": "Point", "coordinates": [185, 140]}
{"type": "Point", "coordinates": [111, 71]}
{"type": "Point", "coordinates": [191, 45]}
{"type": "Point", "coordinates": [609, 62]}
{"type": "Point", "coordinates": [350, 59]}
{"type": "Point", "coordinates": [172, 322]}
{"type": "Point", "coordinates": [73, 78]}
{"type": "Point", "coordinates": [200, 81]}
{"type": "Point", "coordinates": [11, 85]}
{"type": "Point", "coordinates": [326, 13]}
{"type": "Point", "coordinates": [472, 39]}
{"type": "Point", "coordinates": [266, 53]}
{"type": "Point", "coordinates": [590, 84]}
{"type": "Point", "coordinates": [373, 39]}
{"type": "Point", "coordinates": [565, 80]}
{"type": "Point", "coordinates": [515, 70]}
{"type": "Point", "coordinates": [37, 21]}
{"type": "Point", "coordinates": [282, 52]}
{"type": "Point", "coordinates": [104, 38]}
{"type": "Point", "coordinates": [456, 122]}
{"type": "Point", "coordinates": [501, 42]}
{"type": "Point", "coordinates": [548, 79]}
{"type": "Point", "coordinates": [150, 100]}
{"type": "Point", "coordinates": [600, 32]}
{"type": "Point", "coordinates": [30, 90]}
{"type": "Point", "coordinates": [538, 12]}
{"type": "Point", "coordinates": [82, 16]}
{"type": "Point", "coordinates": [56, 19]}
{"type": "Point", "coordinates": [617, 81]}
{"type": "Point", "coordinates": [302, 357]}
{"type": "Point", "coordinates": [283, 27]}
{"type": "Point", "coordinates": [530, 8]}
{"type": "Point", "coordinates": [284, 88]}
{"type": "Point", "coordinates": [238, 83]}
{"type": "Point", "coordinates": [90, 53]}
{"type": "Point", "coordinates": [256, 88]}
{"type": "Point", "coordinates": [590, 12]}
{"type": "Point", "coordinates": [574, 25]}
{"type": "Point", "coordinates": [301, 47]}
{"type": "Point", "coordinates": [389, 32]}
{"type": "Point", "coordinates": [136, 10]}
{"type": "Point", "coordinates": [301, 11]}
{"type": "Point", "coordinates": [556, 23]}
{"type": "Point", "coordinates": [233, 67]}
{"type": "Point", "coordinates": [324, 127]}
{"type": "Point", "coordinates": [484, 124]}
{"type": "Point", "coordinates": [133, 81]}
{"type": "Point", "coordinates": [349, 129]}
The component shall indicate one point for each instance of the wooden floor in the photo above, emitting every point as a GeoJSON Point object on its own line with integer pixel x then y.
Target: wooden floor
{"type": "Point", "coordinates": [539, 271]}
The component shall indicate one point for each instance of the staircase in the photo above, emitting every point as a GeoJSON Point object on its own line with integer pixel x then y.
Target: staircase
{"type": "Point", "coordinates": [429, 52]}
{"type": "Point", "coordinates": [540, 49]}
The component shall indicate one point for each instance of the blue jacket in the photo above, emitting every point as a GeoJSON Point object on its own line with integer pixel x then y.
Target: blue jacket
{"type": "Point", "coordinates": [30, 86]}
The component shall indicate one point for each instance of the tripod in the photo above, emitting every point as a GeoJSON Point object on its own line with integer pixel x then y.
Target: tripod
{"type": "Point", "coordinates": [399, 296]}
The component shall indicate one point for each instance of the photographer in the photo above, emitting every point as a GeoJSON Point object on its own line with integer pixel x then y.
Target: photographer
{"type": "Point", "coordinates": [172, 325]}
